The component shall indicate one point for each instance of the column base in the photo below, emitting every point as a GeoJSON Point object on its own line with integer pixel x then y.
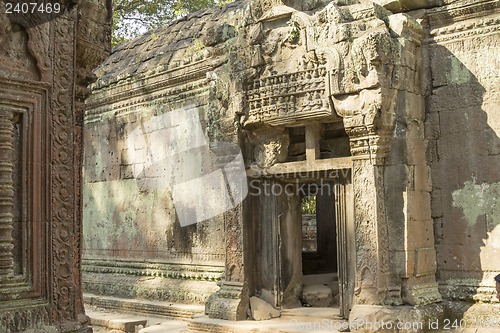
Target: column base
{"type": "Point", "coordinates": [422, 294]}
{"type": "Point", "coordinates": [401, 319]}
{"type": "Point", "coordinates": [231, 302]}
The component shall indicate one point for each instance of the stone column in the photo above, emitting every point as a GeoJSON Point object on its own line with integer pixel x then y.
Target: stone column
{"type": "Point", "coordinates": [382, 110]}
{"type": "Point", "coordinates": [374, 282]}
{"type": "Point", "coordinates": [6, 193]}
{"type": "Point", "coordinates": [231, 301]}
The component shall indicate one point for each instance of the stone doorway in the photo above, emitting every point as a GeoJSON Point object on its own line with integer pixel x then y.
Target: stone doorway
{"type": "Point", "coordinates": [305, 259]}
{"type": "Point", "coordinates": [319, 246]}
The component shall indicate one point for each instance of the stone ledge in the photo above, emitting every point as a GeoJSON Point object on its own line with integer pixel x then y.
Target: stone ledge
{"type": "Point", "coordinates": [145, 307]}
{"type": "Point", "coordinates": [113, 322]}
{"type": "Point", "coordinates": [288, 325]}
{"type": "Point", "coordinates": [401, 319]}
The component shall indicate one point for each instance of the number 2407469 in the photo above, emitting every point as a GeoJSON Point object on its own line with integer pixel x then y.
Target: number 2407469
{"type": "Point", "coordinates": [33, 8]}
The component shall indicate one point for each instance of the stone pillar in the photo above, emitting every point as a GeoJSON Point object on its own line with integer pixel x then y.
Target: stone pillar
{"type": "Point", "coordinates": [6, 194]}
{"type": "Point", "coordinates": [232, 300]}
{"type": "Point", "coordinates": [374, 282]}
{"type": "Point", "coordinates": [382, 109]}
{"type": "Point", "coordinates": [312, 142]}
{"type": "Point", "coordinates": [40, 165]}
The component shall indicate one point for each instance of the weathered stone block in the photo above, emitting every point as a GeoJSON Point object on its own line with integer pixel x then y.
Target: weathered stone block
{"type": "Point", "coordinates": [418, 205]}
{"type": "Point", "coordinates": [317, 295]}
{"type": "Point", "coordinates": [419, 234]}
{"type": "Point", "coordinates": [126, 325]}
{"type": "Point", "coordinates": [425, 261]}
{"type": "Point", "coordinates": [125, 157]}
{"type": "Point", "coordinates": [113, 173]}
{"type": "Point", "coordinates": [415, 106]}
{"type": "Point", "coordinates": [422, 178]}
{"type": "Point", "coordinates": [399, 260]}
{"type": "Point", "coordinates": [436, 203]}
{"type": "Point", "coordinates": [139, 141]}
{"type": "Point", "coordinates": [415, 151]}
{"type": "Point", "coordinates": [127, 172]}
{"type": "Point", "coordinates": [139, 170]}
{"type": "Point", "coordinates": [432, 126]}
{"type": "Point", "coordinates": [261, 310]}
{"type": "Point", "coordinates": [450, 257]}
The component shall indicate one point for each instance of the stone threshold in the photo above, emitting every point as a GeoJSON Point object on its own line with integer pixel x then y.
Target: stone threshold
{"type": "Point", "coordinates": [146, 307]}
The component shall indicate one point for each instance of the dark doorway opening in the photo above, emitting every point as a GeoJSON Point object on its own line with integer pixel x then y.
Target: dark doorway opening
{"type": "Point", "coordinates": [319, 245]}
{"type": "Point", "coordinates": [319, 235]}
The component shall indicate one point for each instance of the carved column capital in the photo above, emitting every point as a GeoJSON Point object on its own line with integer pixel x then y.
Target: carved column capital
{"type": "Point", "coordinates": [93, 41]}
{"type": "Point", "coordinates": [368, 74]}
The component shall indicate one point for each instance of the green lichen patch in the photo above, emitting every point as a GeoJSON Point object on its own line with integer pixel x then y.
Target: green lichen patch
{"type": "Point", "coordinates": [477, 200]}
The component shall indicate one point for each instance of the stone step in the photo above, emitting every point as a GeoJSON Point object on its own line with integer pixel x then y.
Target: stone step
{"type": "Point", "coordinates": [114, 321]}
{"type": "Point", "coordinates": [300, 323]}
{"type": "Point", "coordinates": [144, 307]}
{"type": "Point", "coordinates": [317, 295]}
{"type": "Point", "coordinates": [166, 328]}
{"type": "Point", "coordinates": [104, 321]}
{"type": "Point", "coordinates": [312, 313]}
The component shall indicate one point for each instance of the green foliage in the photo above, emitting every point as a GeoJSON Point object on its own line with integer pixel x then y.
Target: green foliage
{"type": "Point", "coordinates": [132, 18]}
{"type": "Point", "coordinates": [195, 47]}
{"type": "Point", "coordinates": [309, 204]}
{"type": "Point", "coordinates": [294, 33]}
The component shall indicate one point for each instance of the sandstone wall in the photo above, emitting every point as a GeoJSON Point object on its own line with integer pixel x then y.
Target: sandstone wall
{"type": "Point", "coordinates": [131, 225]}
{"type": "Point", "coordinates": [463, 129]}
{"type": "Point", "coordinates": [153, 118]}
{"type": "Point", "coordinates": [258, 74]}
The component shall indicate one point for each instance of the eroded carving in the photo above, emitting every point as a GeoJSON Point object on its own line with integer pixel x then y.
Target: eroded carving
{"type": "Point", "coordinates": [7, 138]}
{"type": "Point", "coordinates": [276, 99]}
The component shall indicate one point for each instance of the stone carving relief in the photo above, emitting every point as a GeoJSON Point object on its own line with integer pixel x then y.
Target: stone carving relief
{"type": "Point", "coordinates": [337, 62]}
{"type": "Point", "coordinates": [292, 83]}
{"type": "Point", "coordinates": [39, 130]}
{"type": "Point", "coordinates": [6, 194]}
{"type": "Point", "coordinates": [15, 58]}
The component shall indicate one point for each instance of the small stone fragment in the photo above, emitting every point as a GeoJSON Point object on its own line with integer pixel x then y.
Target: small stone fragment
{"type": "Point", "coordinates": [261, 310]}
{"type": "Point", "coordinates": [317, 295]}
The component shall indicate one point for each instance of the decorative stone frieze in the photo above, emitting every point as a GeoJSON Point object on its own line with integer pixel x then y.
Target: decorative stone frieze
{"type": "Point", "coordinates": [281, 99]}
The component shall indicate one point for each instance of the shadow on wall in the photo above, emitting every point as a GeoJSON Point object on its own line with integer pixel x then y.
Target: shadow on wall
{"type": "Point", "coordinates": [130, 211]}
{"type": "Point", "coordinates": [462, 127]}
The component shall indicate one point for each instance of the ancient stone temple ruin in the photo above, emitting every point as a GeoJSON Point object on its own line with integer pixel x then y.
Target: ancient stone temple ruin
{"type": "Point", "coordinates": [45, 65]}
{"type": "Point", "coordinates": [205, 141]}
{"type": "Point", "coordinates": [386, 112]}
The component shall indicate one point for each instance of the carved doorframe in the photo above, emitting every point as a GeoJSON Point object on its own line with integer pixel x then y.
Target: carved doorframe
{"type": "Point", "coordinates": [43, 77]}
{"type": "Point", "coordinates": [26, 194]}
{"type": "Point", "coordinates": [366, 64]}
{"type": "Point", "coordinates": [346, 247]}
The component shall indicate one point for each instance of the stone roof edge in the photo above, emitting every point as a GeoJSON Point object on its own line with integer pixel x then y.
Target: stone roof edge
{"type": "Point", "coordinates": [108, 80]}
{"type": "Point", "coordinates": [125, 90]}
